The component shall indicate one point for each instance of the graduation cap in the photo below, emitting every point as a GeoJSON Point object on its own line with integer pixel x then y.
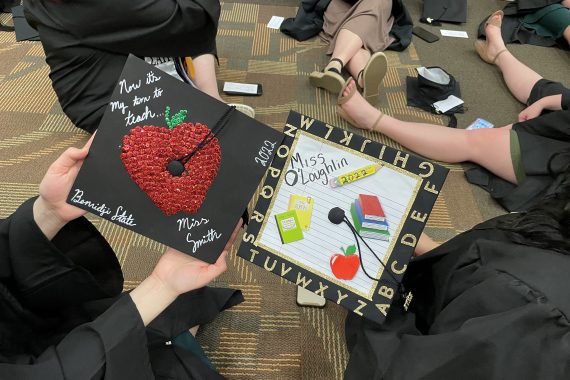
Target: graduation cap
{"type": "Point", "coordinates": [172, 163]}
{"type": "Point", "coordinates": [444, 10]}
{"type": "Point", "coordinates": [433, 84]}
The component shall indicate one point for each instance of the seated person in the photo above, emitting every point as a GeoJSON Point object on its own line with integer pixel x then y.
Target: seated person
{"type": "Point", "coordinates": [87, 43]}
{"type": "Point", "coordinates": [357, 32]}
{"type": "Point", "coordinates": [61, 312]}
{"type": "Point", "coordinates": [536, 22]}
{"type": "Point", "coordinates": [522, 160]}
{"type": "Point", "coordinates": [491, 303]}
{"type": "Point", "coordinates": [552, 21]}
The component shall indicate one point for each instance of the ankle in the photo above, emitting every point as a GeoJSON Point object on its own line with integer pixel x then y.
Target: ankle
{"type": "Point", "coordinates": [335, 64]}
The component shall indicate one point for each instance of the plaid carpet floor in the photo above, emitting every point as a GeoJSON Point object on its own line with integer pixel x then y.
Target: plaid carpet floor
{"type": "Point", "coordinates": [268, 336]}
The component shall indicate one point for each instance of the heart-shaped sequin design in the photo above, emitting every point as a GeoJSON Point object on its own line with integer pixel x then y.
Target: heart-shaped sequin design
{"type": "Point", "coordinates": [147, 151]}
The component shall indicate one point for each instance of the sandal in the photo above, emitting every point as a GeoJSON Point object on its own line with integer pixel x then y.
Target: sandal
{"type": "Point", "coordinates": [481, 47]}
{"type": "Point", "coordinates": [329, 79]}
{"type": "Point", "coordinates": [372, 75]}
{"type": "Point", "coordinates": [343, 99]}
{"type": "Point", "coordinates": [243, 108]}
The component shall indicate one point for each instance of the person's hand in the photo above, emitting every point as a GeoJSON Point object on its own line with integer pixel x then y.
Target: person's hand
{"type": "Point", "coordinates": [532, 111]}
{"type": "Point", "coordinates": [181, 273]}
{"type": "Point", "coordinates": [51, 211]}
{"type": "Point", "coordinates": [566, 3]}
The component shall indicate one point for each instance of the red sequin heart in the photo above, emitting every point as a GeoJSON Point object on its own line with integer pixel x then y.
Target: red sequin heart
{"type": "Point", "coordinates": [148, 150]}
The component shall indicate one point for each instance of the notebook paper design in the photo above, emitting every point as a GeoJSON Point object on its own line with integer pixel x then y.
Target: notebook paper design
{"type": "Point", "coordinates": [395, 200]}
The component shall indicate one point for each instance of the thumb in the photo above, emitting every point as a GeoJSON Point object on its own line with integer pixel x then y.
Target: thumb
{"type": "Point", "coordinates": [220, 266]}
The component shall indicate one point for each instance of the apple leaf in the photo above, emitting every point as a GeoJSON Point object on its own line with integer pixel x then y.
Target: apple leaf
{"type": "Point", "coordinates": [350, 250]}
{"type": "Point", "coordinates": [176, 119]}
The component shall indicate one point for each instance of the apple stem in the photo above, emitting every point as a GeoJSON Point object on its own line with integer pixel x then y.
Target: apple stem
{"type": "Point", "coordinates": [343, 251]}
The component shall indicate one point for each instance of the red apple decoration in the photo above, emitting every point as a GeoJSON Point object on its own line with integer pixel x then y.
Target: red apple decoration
{"type": "Point", "coordinates": [147, 151]}
{"type": "Point", "coordinates": [345, 266]}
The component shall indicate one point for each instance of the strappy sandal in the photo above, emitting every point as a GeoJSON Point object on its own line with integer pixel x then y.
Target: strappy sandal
{"type": "Point", "coordinates": [372, 75]}
{"type": "Point", "coordinates": [343, 99]}
{"type": "Point", "coordinates": [329, 79]}
{"type": "Point", "coordinates": [481, 47]}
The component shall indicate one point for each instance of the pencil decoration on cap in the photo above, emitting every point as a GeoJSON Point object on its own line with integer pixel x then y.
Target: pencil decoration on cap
{"type": "Point", "coordinates": [354, 175]}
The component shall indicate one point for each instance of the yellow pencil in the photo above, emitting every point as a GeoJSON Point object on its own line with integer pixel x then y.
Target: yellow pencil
{"type": "Point", "coordinates": [354, 175]}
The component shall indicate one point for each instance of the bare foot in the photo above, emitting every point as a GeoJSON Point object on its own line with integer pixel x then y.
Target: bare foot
{"type": "Point", "coordinates": [359, 109]}
{"type": "Point", "coordinates": [495, 41]}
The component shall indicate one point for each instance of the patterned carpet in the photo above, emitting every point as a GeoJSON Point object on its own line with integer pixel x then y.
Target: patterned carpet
{"type": "Point", "coordinates": [267, 336]}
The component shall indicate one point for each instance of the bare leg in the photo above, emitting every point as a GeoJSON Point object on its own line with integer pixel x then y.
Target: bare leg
{"type": "Point", "coordinates": [425, 244]}
{"type": "Point", "coordinates": [205, 80]}
{"type": "Point", "coordinates": [489, 148]}
{"type": "Point", "coordinates": [346, 46]}
{"type": "Point", "coordinates": [567, 34]}
{"type": "Point", "coordinates": [520, 79]}
{"type": "Point", "coordinates": [357, 64]}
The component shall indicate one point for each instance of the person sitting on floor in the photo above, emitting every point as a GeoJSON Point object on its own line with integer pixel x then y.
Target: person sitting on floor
{"type": "Point", "coordinates": [357, 32]}
{"type": "Point", "coordinates": [87, 44]}
{"type": "Point", "coordinates": [61, 312]}
{"type": "Point", "coordinates": [492, 303]}
{"type": "Point", "coordinates": [536, 22]}
{"type": "Point", "coordinates": [522, 160]}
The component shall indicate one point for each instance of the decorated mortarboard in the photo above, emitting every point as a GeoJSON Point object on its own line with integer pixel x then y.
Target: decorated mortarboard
{"type": "Point", "coordinates": [340, 215]}
{"type": "Point", "coordinates": [173, 163]}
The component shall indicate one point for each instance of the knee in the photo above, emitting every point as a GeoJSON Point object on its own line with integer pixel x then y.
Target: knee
{"type": "Point", "coordinates": [477, 141]}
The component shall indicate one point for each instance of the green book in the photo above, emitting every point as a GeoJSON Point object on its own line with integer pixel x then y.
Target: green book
{"type": "Point", "coordinates": [289, 226]}
{"type": "Point", "coordinates": [367, 232]}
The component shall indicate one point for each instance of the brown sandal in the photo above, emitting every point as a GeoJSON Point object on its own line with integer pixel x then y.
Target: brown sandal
{"type": "Point", "coordinates": [343, 99]}
{"type": "Point", "coordinates": [481, 47]}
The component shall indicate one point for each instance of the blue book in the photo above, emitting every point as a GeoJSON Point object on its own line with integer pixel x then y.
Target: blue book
{"type": "Point", "coordinates": [368, 223]}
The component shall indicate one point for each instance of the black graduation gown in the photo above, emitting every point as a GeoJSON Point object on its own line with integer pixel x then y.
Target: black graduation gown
{"type": "Point", "coordinates": [513, 30]}
{"type": "Point", "coordinates": [545, 154]}
{"type": "Point", "coordinates": [87, 42]}
{"type": "Point", "coordinates": [62, 315]}
{"type": "Point", "coordinates": [483, 308]}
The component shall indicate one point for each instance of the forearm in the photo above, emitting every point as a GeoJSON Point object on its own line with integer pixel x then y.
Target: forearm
{"type": "Point", "coordinates": [551, 103]}
{"type": "Point", "coordinates": [151, 298]}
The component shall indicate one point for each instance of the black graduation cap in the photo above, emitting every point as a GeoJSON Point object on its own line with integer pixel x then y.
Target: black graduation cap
{"type": "Point", "coordinates": [172, 163]}
{"type": "Point", "coordinates": [444, 10]}
{"type": "Point", "coordinates": [433, 84]}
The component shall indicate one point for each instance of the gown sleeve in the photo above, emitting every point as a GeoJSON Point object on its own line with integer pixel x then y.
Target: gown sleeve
{"type": "Point", "coordinates": [143, 27]}
{"type": "Point", "coordinates": [76, 266]}
{"type": "Point", "coordinates": [113, 346]}
{"type": "Point", "coordinates": [71, 269]}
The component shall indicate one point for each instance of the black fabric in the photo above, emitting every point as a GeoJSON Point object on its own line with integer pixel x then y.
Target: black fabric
{"type": "Point", "coordinates": [62, 315]}
{"type": "Point", "coordinates": [422, 93]}
{"type": "Point", "coordinates": [24, 32]}
{"type": "Point", "coordinates": [86, 57]}
{"type": "Point", "coordinates": [545, 154]}
{"type": "Point", "coordinates": [445, 10]}
{"type": "Point", "coordinates": [7, 5]}
{"type": "Point", "coordinates": [513, 31]}
{"type": "Point", "coordinates": [483, 308]}
{"type": "Point", "coordinates": [309, 22]}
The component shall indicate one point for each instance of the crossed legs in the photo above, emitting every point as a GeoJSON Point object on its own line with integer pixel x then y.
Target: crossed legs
{"type": "Point", "coordinates": [350, 50]}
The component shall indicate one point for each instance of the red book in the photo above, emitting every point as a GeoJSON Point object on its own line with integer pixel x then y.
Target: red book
{"type": "Point", "coordinates": [371, 208]}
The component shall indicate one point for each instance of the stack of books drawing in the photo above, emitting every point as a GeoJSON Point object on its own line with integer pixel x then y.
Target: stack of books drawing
{"type": "Point", "coordinates": [369, 218]}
